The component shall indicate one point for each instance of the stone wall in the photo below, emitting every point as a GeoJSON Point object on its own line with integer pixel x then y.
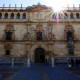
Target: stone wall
{"type": "Point", "coordinates": [20, 29]}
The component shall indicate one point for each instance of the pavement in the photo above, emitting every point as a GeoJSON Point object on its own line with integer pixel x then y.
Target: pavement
{"type": "Point", "coordinates": [45, 72]}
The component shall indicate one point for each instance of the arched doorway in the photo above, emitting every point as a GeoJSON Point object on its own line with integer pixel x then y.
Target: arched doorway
{"type": "Point", "coordinates": [39, 55]}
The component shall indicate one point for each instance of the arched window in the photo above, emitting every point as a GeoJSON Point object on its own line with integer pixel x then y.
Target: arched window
{"type": "Point", "coordinates": [24, 16]}
{"type": "Point", "coordinates": [18, 16]}
{"type": "Point", "coordinates": [65, 15]}
{"type": "Point", "coordinates": [53, 16]}
{"type": "Point", "coordinates": [0, 15]}
{"type": "Point", "coordinates": [77, 15]}
{"type": "Point", "coordinates": [71, 16]}
{"type": "Point", "coordinates": [12, 16]}
{"type": "Point", "coordinates": [6, 16]}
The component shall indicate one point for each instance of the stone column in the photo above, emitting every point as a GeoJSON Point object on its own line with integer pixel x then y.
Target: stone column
{"type": "Point", "coordinates": [28, 62]}
{"type": "Point", "coordinates": [12, 63]}
{"type": "Point", "coordinates": [52, 61]}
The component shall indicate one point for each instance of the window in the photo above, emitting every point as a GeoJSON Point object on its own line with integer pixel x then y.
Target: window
{"type": "Point", "coordinates": [7, 52]}
{"type": "Point", "coordinates": [70, 43]}
{"type": "Point", "coordinates": [71, 16]}
{"type": "Point", "coordinates": [28, 17]}
{"type": "Point", "coordinates": [77, 15]}
{"type": "Point", "coordinates": [0, 15]}
{"type": "Point", "coordinates": [8, 35]}
{"type": "Point", "coordinates": [53, 16]}
{"type": "Point", "coordinates": [70, 48]}
{"type": "Point", "coordinates": [24, 16]}
{"type": "Point", "coordinates": [39, 35]}
{"type": "Point", "coordinates": [12, 16]}
{"type": "Point", "coordinates": [65, 15]}
{"type": "Point", "coordinates": [69, 36]}
{"type": "Point", "coordinates": [18, 16]}
{"type": "Point", "coordinates": [6, 16]}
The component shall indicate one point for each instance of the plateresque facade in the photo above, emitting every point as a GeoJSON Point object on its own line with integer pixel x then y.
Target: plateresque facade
{"type": "Point", "coordinates": [38, 32]}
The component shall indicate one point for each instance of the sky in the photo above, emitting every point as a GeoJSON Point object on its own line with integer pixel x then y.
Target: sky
{"type": "Point", "coordinates": [57, 5]}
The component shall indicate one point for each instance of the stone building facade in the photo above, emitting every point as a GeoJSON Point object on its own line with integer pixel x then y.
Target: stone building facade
{"type": "Point", "coordinates": [38, 32]}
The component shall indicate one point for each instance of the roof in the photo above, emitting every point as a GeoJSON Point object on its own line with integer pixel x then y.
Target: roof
{"type": "Point", "coordinates": [33, 8]}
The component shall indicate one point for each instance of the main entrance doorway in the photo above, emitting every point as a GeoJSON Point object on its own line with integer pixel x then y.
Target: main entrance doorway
{"type": "Point", "coordinates": [39, 55]}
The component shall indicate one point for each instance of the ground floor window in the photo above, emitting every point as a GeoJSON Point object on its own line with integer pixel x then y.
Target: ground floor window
{"type": "Point", "coordinates": [7, 52]}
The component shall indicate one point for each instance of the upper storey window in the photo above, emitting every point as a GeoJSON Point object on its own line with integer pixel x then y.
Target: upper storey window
{"type": "Point", "coordinates": [18, 16]}
{"type": "Point", "coordinates": [9, 32]}
{"type": "Point", "coordinates": [53, 16]}
{"type": "Point", "coordinates": [0, 15]}
{"type": "Point", "coordinates": [71, 16]}
{"type": "Point", "coordinates": [77, 15]}
{"type": "Point", "coordinates": [24, 16]}
{"type": "Point", "coordinates": [12, 16]}
{"type": "Point", "coordinates": [6, 16]}
{"type": "Point", "coordinates": [39, 35]}
{"type": "Point", "coordinates": [65, 15]}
